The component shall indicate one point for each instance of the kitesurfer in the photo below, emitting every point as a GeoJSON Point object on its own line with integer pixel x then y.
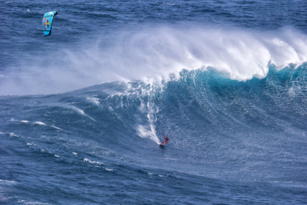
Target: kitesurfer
{"type": "Point", "coordinates": [165, 141]}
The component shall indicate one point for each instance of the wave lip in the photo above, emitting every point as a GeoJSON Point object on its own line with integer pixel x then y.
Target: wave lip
{"type": "Point", "coordinates": [158, 51]}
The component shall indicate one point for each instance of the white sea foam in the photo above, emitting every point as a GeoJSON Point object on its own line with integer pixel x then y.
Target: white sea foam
{"type": "Point", "coordinates": [12, 134]}
{"type": "Point", "coordinates": [91, 161]}
{"type": "Point", "coordinates": [56, 127]}
{"type": "Point", "coordinates": [78, 110]}
{"type": "Point", "coordinates": [93, 100]}
{"type": "Point", "coordinates": [24, 121]}
{"type": "Point", "coordinates": [74, 108]}
{"type": "Point", "coordinates": [39, 123]}
{"type": "Point", "coordinates": [158, 51]}
{"type": "Point", "coordinates": [146, 133]}
{"type": "Point", "coordinates": [7, 182]}
{"type": "Point", "coordinates": [30, 202]}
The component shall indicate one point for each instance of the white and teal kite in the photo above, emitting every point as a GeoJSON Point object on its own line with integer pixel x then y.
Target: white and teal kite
{"type": "Point", "coordinates": [47, 22]}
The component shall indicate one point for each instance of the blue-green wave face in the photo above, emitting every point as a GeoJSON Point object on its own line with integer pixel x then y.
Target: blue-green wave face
{"type": "Point", "coordinates": [113, 129]}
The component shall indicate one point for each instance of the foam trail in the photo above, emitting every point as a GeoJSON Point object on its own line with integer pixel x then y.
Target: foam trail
{"type": "Point", "coordinates": [157, 51]}
{"type": "Point", "coordinates": [39, 123]}
{"type": "Point", "coordinates": [146, 133]}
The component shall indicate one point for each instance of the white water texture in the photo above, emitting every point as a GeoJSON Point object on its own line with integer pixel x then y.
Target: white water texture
{"type": "Point", "coordinates": [158, 51]}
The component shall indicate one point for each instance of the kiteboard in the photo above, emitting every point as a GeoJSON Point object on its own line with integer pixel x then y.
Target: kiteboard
{"type": "Point", "coordinates": [162, 146]}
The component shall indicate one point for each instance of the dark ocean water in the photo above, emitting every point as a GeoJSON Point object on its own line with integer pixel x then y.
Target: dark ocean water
{"type": "Point", "coordinates": [82, 111]}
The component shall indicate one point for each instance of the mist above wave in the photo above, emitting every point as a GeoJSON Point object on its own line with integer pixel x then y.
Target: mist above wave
{"type": "Point", "coordinates": [158, 51]}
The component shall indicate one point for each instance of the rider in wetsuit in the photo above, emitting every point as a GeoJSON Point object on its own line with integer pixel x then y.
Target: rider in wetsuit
{"type": "Point", "coordinates": [165, 141]}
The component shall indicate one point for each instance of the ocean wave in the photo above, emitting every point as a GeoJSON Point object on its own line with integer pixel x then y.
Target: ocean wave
{"type": "Point", "coordinates": [160, 51]}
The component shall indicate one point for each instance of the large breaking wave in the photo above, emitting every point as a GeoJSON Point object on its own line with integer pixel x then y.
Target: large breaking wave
{"type": "Point", "coordinates": [210, 119]}
{"type": "Point", "coordinates": [157, 51]}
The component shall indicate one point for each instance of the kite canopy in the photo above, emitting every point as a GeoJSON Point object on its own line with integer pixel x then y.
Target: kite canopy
{"type": "Point", "coordinates": [47, 22]}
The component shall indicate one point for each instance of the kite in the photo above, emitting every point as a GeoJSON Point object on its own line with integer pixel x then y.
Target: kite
{"type": "Point", "coordinates": [47, 22]}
